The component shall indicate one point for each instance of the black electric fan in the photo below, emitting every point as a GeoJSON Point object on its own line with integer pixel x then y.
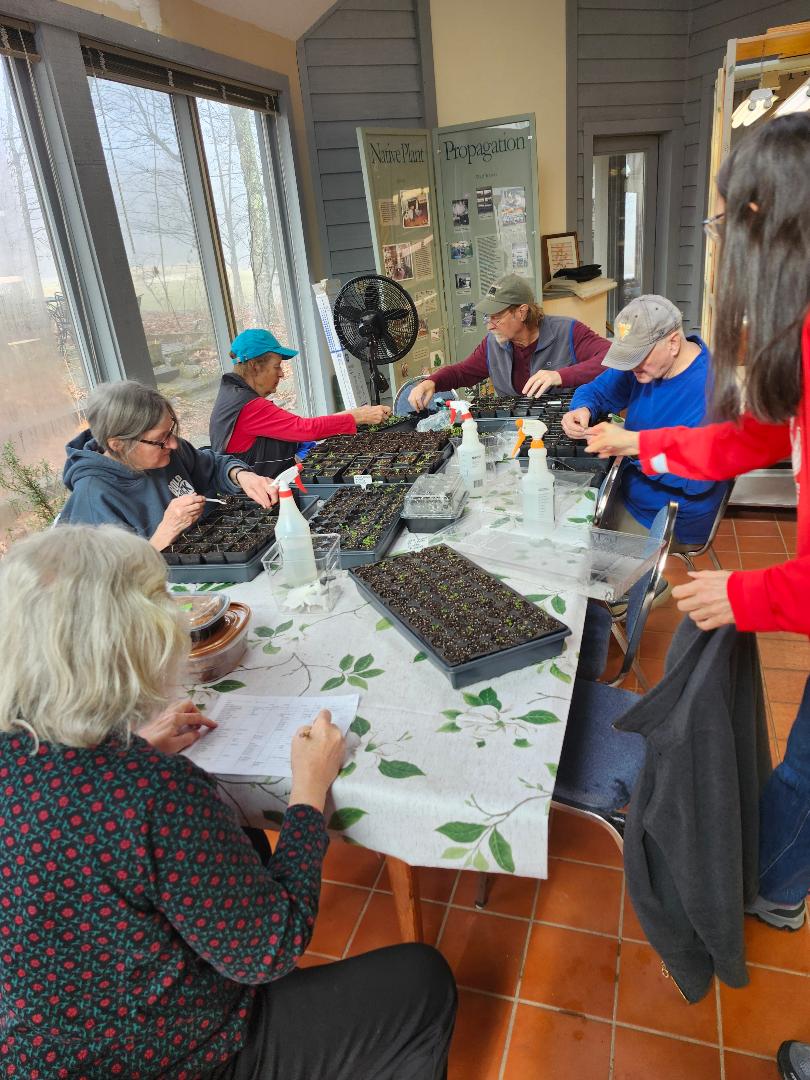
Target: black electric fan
{"type": "Point", "coordinates": [376, 321]}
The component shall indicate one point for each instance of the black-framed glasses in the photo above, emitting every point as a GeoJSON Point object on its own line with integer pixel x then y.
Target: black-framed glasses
{"type": "Point", "coordinates": [162, 444]}
{"type": "Point", "coordinates": [713, 226]}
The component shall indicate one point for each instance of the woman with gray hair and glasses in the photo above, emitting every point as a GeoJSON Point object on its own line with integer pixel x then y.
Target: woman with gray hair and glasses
{"type": "Point", "coordinates": [141, 935]}
{"type": "Point", "coordinates": [131, 468]}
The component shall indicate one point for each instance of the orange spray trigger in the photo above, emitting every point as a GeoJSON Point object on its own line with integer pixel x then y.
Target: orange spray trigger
{"type": "Point", "coordinates": [521, 436]}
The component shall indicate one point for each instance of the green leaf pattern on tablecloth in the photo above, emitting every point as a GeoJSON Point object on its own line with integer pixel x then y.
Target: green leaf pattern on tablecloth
{"type": "Point", "coordinates": [429, 757]}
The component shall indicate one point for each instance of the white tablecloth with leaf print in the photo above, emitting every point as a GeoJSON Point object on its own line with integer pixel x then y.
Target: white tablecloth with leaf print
{"type": "Point", "coordinates": [442, 777]}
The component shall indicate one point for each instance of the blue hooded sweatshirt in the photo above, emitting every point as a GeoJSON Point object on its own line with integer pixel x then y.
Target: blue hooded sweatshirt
{"type": "Point", "coordinates": [104, 491]}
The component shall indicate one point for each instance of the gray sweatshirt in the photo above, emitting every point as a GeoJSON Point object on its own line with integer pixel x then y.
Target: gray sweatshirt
{"type": "Point", "coordinates": [692, 836]}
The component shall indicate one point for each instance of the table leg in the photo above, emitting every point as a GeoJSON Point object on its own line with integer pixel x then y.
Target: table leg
{"type": "Point", "coordinates": [405, 886]}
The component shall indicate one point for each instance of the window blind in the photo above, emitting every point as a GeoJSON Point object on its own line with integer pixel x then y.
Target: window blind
{"type": "Point", "coordinates": [121, 66]}
{"type": "Point", "coordinates": [17, 39]}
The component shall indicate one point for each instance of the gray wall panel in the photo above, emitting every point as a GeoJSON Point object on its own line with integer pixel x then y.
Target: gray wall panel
{"type": "Point", "coordinates": [365, 63]}
{"type": "Point", "coordinates": [639, 60]}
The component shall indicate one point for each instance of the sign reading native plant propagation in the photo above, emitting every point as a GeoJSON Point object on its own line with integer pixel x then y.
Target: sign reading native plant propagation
{"type": "Point", "coordinates": [398, 176]}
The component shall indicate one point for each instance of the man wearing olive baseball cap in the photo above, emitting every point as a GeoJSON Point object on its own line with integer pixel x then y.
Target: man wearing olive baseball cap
{"type": "Point", "coordinates": [660, 377]}
{"type": "Point", "coordinates": [524, 351]}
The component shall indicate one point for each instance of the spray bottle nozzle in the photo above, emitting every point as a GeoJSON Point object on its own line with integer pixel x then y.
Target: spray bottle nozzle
{"type": "Point", "coordinates": [458, 405]}
{"type": "Point", "coordinates": [535, 428]}
{"type": "Point", "coordinates": [290, 476]}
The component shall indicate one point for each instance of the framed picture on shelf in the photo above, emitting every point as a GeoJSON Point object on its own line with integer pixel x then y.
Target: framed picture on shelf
{"type": "Point", "coordinates": [559, 251]}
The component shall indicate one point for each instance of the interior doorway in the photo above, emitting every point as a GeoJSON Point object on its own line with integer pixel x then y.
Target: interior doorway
{"type": "Point", "coordinates": [624, 202]}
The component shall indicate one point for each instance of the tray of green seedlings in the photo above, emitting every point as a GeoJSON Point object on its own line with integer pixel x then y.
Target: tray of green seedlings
{"type": "Point", "coordinates": [471, 625]}
{"type": "Point", "coordinates": [368, 520]}
{"type": "Point", "coordinates": [228, 543]}
{"type": "Point", "coordinates": [388, 457]}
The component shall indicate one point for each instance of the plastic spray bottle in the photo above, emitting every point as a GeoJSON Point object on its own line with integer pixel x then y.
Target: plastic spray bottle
{"type": "Point", "coordinates": [292, 532]}
{"type": "Point", "coordinates": [538, 483]}
{"type": "Point", "coordinates": [472, 461]}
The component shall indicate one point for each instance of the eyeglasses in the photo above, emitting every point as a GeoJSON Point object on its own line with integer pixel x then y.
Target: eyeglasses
{"type": "Point", "coordinates": [162, 444]}
{"type": "Point", "coordinates": [713, 226]}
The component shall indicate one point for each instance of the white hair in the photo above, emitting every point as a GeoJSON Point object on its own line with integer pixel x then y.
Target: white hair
{"type": "Point", "coordinates": [124, 411]}
{"type": "Point", "coordinates": [90, 639]}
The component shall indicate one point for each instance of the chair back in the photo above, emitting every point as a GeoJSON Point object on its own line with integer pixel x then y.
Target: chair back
{"type": "Point", "coordinates": [608, 491]}
{"type": "Point", "coordinates": [642, 594]}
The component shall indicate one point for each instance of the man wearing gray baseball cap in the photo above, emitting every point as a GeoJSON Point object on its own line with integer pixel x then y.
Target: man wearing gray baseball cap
{"type": "Point", "coordinates": [660, 377]}
{"type": "Point", "coordinates": [524, 351]}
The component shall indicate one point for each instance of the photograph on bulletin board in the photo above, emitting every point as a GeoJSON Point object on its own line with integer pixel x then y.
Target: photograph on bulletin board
{"type": "Point", "coordinates": [401, 199]}
{"type": "Point", "coordinates": [486, 175]}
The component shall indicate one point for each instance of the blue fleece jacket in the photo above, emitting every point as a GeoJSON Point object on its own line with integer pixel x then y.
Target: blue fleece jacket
{"type": "Point", "coordinates": [661, 403]}
{"type": "Point", "coordinates": [104, 491]}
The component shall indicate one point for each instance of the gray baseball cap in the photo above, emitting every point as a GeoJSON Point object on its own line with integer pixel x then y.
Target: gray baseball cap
{"type": "Point", "coordinates": [638, 327]}
{"type": "Point", "coordinates": [508, 291]}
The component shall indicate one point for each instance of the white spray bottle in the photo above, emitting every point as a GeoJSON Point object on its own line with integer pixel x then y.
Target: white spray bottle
{"type": "Point", "coordinates": [472, 462]}
{"type": "Point", "coordinates": [538, 483]}
{"type": "Point", "coordinates": [293, 533]}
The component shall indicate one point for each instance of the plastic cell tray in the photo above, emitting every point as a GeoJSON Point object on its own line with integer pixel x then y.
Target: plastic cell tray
{"type": "Point", "coordinates": [322, 491]}
{"type": "Point", "coordinates": [483, 667]}
{"type": "Point", "coordinates": [188, 573]}
{"type": "Point", "coordinates": [350, 557]}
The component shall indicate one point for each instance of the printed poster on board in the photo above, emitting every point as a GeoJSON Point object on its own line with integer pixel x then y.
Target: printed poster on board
{"type": "Point", "coordinates": [400, 193]}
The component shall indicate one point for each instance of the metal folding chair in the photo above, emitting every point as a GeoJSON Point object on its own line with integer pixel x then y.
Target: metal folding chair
{"type": "Point", "coordinates": [689, 556]}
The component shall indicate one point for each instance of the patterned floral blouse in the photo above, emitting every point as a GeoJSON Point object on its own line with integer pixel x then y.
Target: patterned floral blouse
{"type": "Point", "coordinates": [135, 917]}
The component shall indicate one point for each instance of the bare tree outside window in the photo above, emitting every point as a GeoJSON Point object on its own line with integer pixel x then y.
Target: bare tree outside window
{"type": "Point", "coordinates": [42, 378]}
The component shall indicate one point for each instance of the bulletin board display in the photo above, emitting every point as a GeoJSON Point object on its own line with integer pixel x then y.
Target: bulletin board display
{"type": "Point", "coordinates": [401, 197]}
{"type": "Point", "coordinates": [487, 191]}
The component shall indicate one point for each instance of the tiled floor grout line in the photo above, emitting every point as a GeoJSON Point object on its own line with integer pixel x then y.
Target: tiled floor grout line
{"type": "Point", "coordinates": [513, 1012]}
{"type": "Point", "coordinates": [719, 1008]}
{"type": "Point", "coordinates": [446, 915]}
{"type": "Point", "coordinates": [612, 1058]}
{"type": "Point", "coordinates": [624, 1024]}
{"type": "Point", "coordinates": [359, 919]}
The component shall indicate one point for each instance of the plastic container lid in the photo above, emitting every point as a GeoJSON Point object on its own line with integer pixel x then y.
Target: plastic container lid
{"type": "Point", "coordinates": [221, 652]}
{"type": "Point", "coordinates": [204, 611]}
{"type": "Point", "coordinates": [437, 495]}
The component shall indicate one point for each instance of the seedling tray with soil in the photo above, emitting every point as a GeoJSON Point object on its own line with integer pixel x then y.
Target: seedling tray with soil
{"type": "Point", "coordinates": [228, 544]}
{"type": "Point", "coordinates": [368, 520]}
{"type": "Point", "coordinates": [469, 623]}
{"type": "Point", "coordinates": [330, 467]}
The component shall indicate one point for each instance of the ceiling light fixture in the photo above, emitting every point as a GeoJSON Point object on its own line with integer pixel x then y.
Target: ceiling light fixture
{"type": "Point", "coordinates": [755, 105]}
{"type": "Point", "coordinates": [799, 101]}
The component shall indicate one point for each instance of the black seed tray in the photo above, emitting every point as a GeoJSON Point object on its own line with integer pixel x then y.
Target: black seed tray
{"type": "Point", "coordinates": [225, 570]}
{"type": "Point", "coordinates": [456, 568]}
{"type": "Point", "coordinates": [350, 557]}
{"type": "Point", "coordinates": [324, 490]}
{"type": "Point", "coordinates": [428, 524]}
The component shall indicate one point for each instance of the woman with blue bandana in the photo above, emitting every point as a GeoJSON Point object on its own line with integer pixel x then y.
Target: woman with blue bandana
{"type": "Point", "coordinates": [244, 423]}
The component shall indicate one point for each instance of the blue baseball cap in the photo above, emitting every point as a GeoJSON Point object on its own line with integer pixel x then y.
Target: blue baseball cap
{"type": "Point", "coordinates": [252, 343]}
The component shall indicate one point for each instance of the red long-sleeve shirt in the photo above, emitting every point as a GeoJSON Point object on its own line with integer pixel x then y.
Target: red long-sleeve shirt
{"type": "Point", "coordinates": [589, 349]}
{"type": "Point", "coordinates": [261, 417]}
{"type": "Point", "coordinates": [775, 598]}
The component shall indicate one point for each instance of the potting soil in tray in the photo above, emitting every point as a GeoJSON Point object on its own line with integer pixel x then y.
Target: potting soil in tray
{"type": "Point", "coordinates": [471, 625]}
{"type": "Point", "coordinates": [552, 404]}
{"type": "Point", "coordinates": [227, 544]}
{"type": "Point", "coordinates": [367, 519]}
{"type": "Point", "coordinates": [340, 464]}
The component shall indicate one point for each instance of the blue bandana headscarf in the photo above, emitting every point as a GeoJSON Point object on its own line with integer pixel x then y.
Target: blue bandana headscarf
{"type": "Point", "coordinates": [252, 343]}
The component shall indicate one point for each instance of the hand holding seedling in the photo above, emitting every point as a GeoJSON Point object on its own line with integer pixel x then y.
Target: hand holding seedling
{"type": "Point", "coordinates": [575, 423]}
{"type": "Point", "coordinates": [611, 440]}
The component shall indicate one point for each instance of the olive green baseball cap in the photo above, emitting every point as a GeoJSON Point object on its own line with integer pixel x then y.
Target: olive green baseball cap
{"type": "Point", "coordinates": [509, 291]}
{"type": "Point", "coordinates": [638, 327]}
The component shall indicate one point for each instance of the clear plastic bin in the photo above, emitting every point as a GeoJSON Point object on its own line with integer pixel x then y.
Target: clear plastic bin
{"type": "Point", "coordinates": [318, 595]}
{"type": "Point", "coordinates": [434, 501]}
{"type": "Point", "coordinates": [593, 562]}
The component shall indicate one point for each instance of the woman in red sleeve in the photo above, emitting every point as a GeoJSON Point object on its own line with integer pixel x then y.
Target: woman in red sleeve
{"type": "Point", "coordinates": [244, 423]}
{"type": "Point", "coordinates": [763, 321]}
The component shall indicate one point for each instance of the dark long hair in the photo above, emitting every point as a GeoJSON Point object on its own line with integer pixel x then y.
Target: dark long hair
{"type": "Point", "coordinates": [763, 274]}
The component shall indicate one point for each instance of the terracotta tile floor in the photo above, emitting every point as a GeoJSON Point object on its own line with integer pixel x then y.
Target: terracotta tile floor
{"type": "Point", "coordinates": [556, 979]}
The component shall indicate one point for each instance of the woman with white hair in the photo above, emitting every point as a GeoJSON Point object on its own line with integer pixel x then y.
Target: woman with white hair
{"type": "Point", "coordinates": [132, 468]}
{"type": "Point", "coordinates": [139, 932]}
